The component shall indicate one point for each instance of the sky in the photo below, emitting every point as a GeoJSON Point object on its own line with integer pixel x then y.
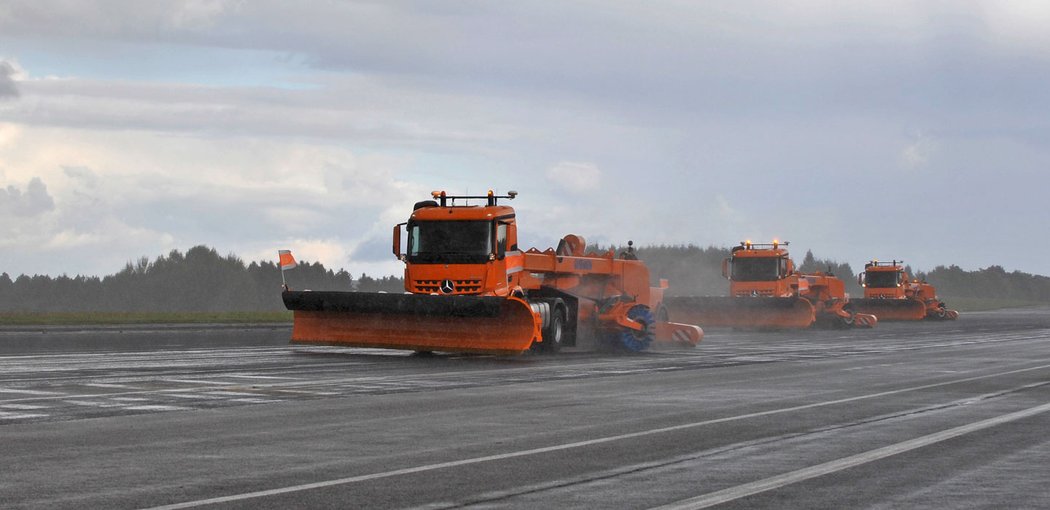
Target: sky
{"type": "Point", "coordinates": [859, 130]}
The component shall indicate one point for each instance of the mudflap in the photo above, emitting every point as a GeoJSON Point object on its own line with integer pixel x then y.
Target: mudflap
{"type": "Point", "coordinates": [865, 320]}
{"type": "Point", "coordinates": [742, 312]}
{"type": "Point", "coordinates": [890, 309]}
{"type": "Point", "coordinates": [677, 335]}
{"type": "Point", "coordinates": [420, 322]}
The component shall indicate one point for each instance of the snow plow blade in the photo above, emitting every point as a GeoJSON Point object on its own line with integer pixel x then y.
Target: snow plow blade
{"type": "Point", "coordinates": [744, 312]}
{"type": "Point", "coordinates": [890, 309]}
{"type": "Point", "coordinates": [419, 322]}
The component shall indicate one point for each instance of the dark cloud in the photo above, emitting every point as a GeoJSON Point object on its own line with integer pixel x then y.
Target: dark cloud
{"type": "Point", "coordinates": [7, 81]}
{"type": "Point", "coordinates": [34, 201]}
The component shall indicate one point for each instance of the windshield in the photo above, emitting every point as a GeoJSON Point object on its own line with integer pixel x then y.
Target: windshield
{"type": "Point", "coordinates": [449, 242]}
{"type": "Point", "coordinates": [882, 279]}
{"type": "Point", "coordinates": [756, 269]}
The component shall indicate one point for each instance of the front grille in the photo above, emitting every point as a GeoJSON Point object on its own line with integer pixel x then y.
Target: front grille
{"type": "Point", "coordinates": [434, 286]}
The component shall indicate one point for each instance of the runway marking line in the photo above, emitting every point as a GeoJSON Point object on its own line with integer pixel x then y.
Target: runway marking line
{"type": "Point", "coordinates": [262, 377]}
{"type": "Point", "coordinates": [19, 416]}
{"type": "Point", "coordinates": [200, 381]}
{"type": "Point", "coordinates": [30, 392]}
{"type": "Point", "coordinates": [107, 385]}
{"type": "Point", "coordinates": [23, 407]}
{"type": "Point", "coordinates": [592, 442]}
{"type": "Point", "coordinates": [155, 408]}
{"type": "Point", "coordinates": [800, 475]}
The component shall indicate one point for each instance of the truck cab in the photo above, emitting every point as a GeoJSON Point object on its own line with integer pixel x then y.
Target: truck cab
{"type": "Point", "coordinates": [884, 280]}
{"type": "Point", "coordinates": [760, 270]}
{"type": "Point", "coordinates": [457, 249]}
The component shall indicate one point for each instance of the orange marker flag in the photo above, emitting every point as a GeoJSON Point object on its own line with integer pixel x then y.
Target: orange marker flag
{"type": "Point", "coordinates": [287, 261]}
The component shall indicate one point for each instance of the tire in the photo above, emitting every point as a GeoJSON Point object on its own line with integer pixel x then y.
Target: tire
{"type": "Point", "coordinates": [554, 334]}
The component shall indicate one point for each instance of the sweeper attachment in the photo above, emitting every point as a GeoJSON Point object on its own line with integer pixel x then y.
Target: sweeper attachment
{"type": "Point", "coordinates": [469, 288]}
{"type": "Point", "coordinates": [890, 295]}
{"type": "Point", "coordinates": [766, 292]}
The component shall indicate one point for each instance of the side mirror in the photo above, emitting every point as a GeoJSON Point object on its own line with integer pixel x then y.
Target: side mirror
{"type": "Point", "coordinates": [397, 240]}
{"type": "Point", "coordinates": [725, 269]}
{"type": "Point", "coordinates": [860, 279]}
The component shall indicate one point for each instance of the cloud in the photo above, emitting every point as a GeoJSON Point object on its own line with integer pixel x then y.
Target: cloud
{"type": "Point", "coordinates": [34, 201]}
{"type": "Point", "coordinates": [917, 153]}
{"type": "Point", "coordinates": [661, 115]}
{"type": "Point", "coordinates": [8, 71]}
{"type": "Point", "coordinates": [112, 196]}
{"type": "Point", "coordinates": [81, 174]}
{"type": "Point", "coordinates": [575, 176]}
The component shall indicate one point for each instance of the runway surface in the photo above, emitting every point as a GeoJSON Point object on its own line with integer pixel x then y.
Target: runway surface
{"type": "Point", "coordinates": [908, 415]}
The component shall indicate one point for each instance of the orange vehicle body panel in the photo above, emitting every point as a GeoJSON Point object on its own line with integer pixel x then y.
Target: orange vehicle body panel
{"type": "Point", "coordinates": [500, 315]}
{"type": "Point", "coordinates": [890, 295]}
{"type": "Point", "coordinates": [779, 298]}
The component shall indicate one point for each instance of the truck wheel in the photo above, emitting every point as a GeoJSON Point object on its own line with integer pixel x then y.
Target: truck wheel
{"type": "Point", "coordinates": [554, 335]}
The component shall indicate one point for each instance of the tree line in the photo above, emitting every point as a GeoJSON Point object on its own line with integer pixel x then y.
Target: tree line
{"type": "Point", "coordinates": [201, 280]}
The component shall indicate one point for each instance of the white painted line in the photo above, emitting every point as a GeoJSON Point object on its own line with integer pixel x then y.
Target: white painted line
{"type": "Point", "coordinates": [198, 381]}
{"type": "Point", "coordinates": [131, 399]}
{"type": "Point", "coordinates": [89, 403]}
{"type": "Point", "coordinates": [24, 407]}
{"type": "Point", "coordinates": [19, 416]}
{"type": "Point", "coordinates": [233, 393]}
{"type": "Point", "coordinates": [254, 400]}
{"type": "Point", "coordinates": [774, 482]}
{"type": "Point", "coordinates": [263, 377]}
{"type": "Point", "coordinates": [555, 448]}
{"type": "Point", "coordinates": [107, 385]}
{"type": "Point", "coordinates": [30, 392]}
{"type": "Point", "coordinates": [156, 408]}
{"type": "Point", "coordinates": [197, 397]}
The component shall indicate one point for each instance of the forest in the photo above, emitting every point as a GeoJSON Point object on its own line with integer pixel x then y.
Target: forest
{"type": "Point", "coordinates": [202, 280]}
{"type": "Point", "coordinates": [199, 280]}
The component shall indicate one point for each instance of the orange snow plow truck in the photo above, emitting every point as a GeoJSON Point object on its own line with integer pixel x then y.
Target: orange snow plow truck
{"type": "Point", "coordinates": [891, 296]}
{"type": "Point", "coordinates": [470, 289]}
{"type": "Point", "coordinates": [766, 292]}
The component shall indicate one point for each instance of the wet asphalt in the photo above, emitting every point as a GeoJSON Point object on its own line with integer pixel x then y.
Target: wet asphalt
{"type": "Point", "coordinates": [907, 415]}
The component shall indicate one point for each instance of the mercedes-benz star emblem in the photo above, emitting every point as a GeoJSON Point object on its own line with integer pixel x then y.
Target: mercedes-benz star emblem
{"type": "Point", "coordinates": [448, 287]}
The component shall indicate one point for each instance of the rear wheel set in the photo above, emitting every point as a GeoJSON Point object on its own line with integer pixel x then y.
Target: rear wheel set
{"type": "Point", "coordinates": [554, 333]}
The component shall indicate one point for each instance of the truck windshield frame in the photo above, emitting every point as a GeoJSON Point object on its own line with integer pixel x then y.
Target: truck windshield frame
{"type": "Point", "coordinates": [450, 242]}
{"type": "Point", "coordinates": [882, 279]}
{"type": "Point", "coordinates": [756, 269]}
